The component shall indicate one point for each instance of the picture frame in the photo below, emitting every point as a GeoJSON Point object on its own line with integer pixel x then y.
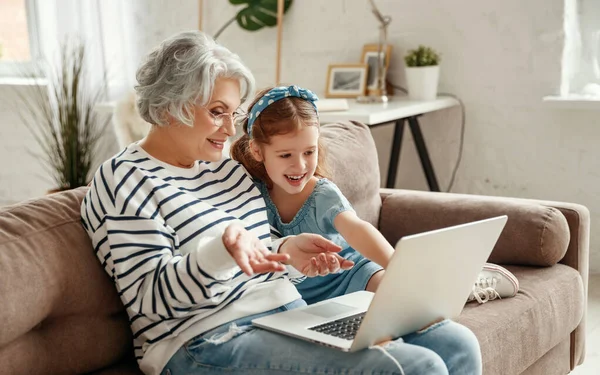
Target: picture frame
{"type": "Point", "coordinates": [369, 57]}
{"type": "Point", "coordinates": [346, 80]}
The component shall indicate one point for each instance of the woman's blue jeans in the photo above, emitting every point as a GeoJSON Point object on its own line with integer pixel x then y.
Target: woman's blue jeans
{"type": "Point", "coordinates": [238, 348]}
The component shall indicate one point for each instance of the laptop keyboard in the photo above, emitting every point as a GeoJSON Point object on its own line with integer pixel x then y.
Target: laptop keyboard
{"type": "Point", "coordinates": [344, 328]}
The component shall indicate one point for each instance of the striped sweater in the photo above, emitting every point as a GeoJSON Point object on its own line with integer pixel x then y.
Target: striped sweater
{"type": "Point", "coordinates": [157, 229]}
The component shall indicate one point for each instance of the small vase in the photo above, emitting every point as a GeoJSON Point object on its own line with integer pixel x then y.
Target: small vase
{"type": "Point", "coordinates": [422, 82]}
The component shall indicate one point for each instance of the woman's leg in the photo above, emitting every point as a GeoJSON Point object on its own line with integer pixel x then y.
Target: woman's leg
{"type": "Point", "coordinates": [256, 351]}
{"type": "Point", "coordinates": [454, 343]}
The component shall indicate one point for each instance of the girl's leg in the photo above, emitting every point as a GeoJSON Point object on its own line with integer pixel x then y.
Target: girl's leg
{"type": "Point", "coordinates": [258, 352]}
{"type": "Point", "coordinates": [454, 343]}
{"type": "Point", "coordinates": [317, 289]}
{"type": "Point", "coordinates": [374, 281]}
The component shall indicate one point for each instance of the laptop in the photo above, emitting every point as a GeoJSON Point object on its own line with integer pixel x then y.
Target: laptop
{"type": "Point", "coordinates": [429, 277]}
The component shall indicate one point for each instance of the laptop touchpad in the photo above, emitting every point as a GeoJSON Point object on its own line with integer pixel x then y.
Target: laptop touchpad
{"type": "Point", "coordinates": [328, 310]}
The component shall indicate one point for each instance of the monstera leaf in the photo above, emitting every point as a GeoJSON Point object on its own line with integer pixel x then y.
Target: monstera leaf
{"type": "Point", "coordinates": [255, 15]}
{"type": "Point", "coordinates": [258, 13]}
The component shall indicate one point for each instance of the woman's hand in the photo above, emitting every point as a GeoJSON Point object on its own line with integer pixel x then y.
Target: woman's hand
{"type": "Point", "coordinates": [249, 253]}
{"type": "Point", "coordinates": [313, 255]}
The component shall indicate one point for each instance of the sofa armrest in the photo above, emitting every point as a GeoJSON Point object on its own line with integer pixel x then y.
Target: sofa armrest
{"type": "Point", "coordinates": [538, 233]}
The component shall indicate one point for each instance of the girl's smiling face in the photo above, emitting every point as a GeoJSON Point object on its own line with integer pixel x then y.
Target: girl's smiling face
{"type": "Point", "coordinates": [290, 159]}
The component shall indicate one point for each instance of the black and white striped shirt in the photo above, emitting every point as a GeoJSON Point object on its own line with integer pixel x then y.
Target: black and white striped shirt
{"type": "Point", "coordinates": [157, 229]}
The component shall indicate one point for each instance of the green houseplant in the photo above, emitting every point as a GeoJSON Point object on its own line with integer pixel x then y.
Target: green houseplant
{"type": "Point", "coordinates": [61, 117]}
{"type": "Point", "coordinates": [255, 15]}
{"type": "Point", "coordinates": [422, 73]}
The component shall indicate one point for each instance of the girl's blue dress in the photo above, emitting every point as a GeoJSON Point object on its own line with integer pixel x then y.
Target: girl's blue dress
{"type": "Point", "coordinates": [316, 216]}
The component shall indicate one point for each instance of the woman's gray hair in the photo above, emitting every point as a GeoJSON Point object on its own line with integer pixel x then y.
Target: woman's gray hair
{"type": "Point", "coordinates": [181, 71]}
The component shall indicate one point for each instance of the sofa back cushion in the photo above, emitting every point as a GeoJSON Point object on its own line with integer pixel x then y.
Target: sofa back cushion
{"type": "Point", "coordinates": [60, 310]}
{"type": "Point", "coordinates": [352, 160]}
{"type": "Point", "coordinates": [535, 234]}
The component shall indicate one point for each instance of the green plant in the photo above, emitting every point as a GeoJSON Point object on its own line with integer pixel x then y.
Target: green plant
{"type": "Point", "coordinates": [422, 56]}
{"type": "Point", "coordinates": [61, 117]}
{"type": "Point", "coordinates": [256, 15]}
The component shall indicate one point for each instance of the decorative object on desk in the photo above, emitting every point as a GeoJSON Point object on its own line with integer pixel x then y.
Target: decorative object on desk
{"type": "Point", "coordinates": [346, 80]}
{"type": "Point", "coordinates": [332, 105]}
{"type": "Point", "coordinates": [378, 94]}
{"type": "Point", "coordinates": [371, 57]}
{"type": "Point", "coordinates": [422, 73]}
{"type": "Point", "coordinates": [62, 117]}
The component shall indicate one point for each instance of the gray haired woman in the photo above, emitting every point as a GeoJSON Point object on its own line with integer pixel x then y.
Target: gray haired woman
{"type": "Point", "coordinates": [184, 235]}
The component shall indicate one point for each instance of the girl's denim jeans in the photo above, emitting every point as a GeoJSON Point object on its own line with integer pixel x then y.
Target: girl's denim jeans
{"type": "Point", "coordinates": [238, 348]}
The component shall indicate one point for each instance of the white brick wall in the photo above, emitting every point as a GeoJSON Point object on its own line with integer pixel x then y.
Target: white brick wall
{"type": "Point", "coordinates": [501, 60]}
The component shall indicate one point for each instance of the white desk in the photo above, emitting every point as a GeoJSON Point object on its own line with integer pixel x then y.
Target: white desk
{"type": "Point", "coordinates": [398, 110]}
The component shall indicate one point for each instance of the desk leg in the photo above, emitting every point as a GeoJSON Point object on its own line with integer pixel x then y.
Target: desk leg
{"type": "Point", "coordinates": [423, 154]}
{"type": "Point", "coordinates": [395, 156]}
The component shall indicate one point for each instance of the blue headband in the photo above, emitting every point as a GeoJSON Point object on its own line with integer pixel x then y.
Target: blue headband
{"type": "Point", "coordinates": [276, 94]}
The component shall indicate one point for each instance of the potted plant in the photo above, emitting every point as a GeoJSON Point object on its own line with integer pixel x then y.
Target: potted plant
{"type": "Point", "coordinates": [422, 73]}
{"type": "Point", "coordinates": [255, 15]}
{"type": "Point", "coordinates": [61, 117]}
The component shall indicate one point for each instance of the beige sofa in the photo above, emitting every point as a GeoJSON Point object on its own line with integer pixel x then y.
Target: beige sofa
{"type": "Point", "coordinates": [60, 313]}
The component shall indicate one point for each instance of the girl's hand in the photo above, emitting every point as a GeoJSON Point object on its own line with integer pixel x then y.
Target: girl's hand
{"type": "Point", "coordinates": [249, 253]}
{"type": "Point", "coordinates": [313, 255]}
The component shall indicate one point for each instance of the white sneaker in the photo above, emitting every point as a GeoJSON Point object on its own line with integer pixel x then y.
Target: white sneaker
{"type": "Point", "coordinates": [494, 282]}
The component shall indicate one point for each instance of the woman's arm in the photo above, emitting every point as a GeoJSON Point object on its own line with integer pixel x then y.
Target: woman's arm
{"type": "Point", "coordinates": [250, 253]}
{"type": "Point", "coordinates": [139, 255]}
{"type": "Point", "coordinates": [363, 237]}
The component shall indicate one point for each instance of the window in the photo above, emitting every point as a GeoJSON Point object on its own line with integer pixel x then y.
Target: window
{"type": "Point", "coordinates": [19, 48]}
{"type": "Point", "coordinates": [581, 56]}
{"type": "Point", "coordinates": [589, 15]}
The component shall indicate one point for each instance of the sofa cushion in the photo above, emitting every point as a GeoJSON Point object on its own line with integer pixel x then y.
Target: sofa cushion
{"type": "Point", "coordinates": [60, 319]}
{"type": "Point", "coordinates": [352, 161]}
{"type": "Point", "coordinates": [516, 332]}
{"type": "Point", "coordinates": [534, 234]}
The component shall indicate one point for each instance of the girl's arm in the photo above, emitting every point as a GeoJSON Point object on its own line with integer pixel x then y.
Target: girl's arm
{"type": "Point", "coordinates": [364, 237]}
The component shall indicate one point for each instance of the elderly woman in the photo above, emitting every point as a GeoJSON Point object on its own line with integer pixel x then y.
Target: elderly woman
{"type": "Point", "coordinates": [183, 233]}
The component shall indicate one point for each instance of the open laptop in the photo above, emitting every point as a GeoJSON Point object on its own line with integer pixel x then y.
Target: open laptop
{"type": "Point", "coordinates": [429, 277]}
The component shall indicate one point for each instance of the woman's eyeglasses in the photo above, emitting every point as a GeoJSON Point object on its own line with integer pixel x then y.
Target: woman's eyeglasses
{"type": "Point", "coordinates": [227, 118]}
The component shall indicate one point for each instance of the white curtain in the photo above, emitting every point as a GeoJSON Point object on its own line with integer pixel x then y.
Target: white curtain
{"type": "Point", "coordinates": [105, 28]}
{"type": "Point", "coordinates": [581, 52]}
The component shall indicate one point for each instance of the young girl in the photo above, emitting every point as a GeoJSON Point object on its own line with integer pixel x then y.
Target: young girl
{"type": "Point", "coordinates": [281, 150]}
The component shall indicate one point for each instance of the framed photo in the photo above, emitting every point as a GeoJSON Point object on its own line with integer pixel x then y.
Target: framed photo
{"type": "Point", "coordinates": [346, 80]}
{"type": "Point", "coordinates": [369, 57]}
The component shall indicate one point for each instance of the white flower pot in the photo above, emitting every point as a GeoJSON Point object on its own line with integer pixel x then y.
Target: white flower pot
{"type": "Point", "coordinates": [422, 82]}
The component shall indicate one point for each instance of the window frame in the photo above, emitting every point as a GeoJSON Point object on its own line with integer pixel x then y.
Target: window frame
{"type": "Point", "coordinates": [30, 68]}
{"type": "Point", "coordinates": [578, 52]}
{"type": "Point", "coordinates": [589, 30]}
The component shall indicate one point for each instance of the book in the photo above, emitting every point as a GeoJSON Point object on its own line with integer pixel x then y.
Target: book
{"type": "Point", "coordinates": [332, 105]}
